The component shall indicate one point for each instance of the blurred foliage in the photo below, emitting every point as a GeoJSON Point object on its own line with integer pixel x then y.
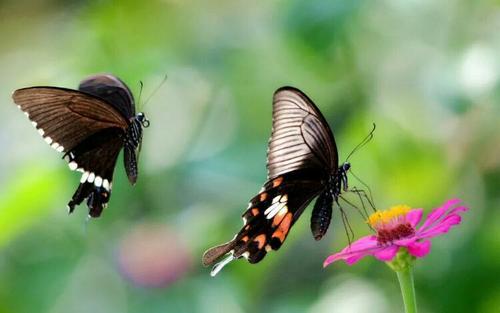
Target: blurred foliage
{"type": "Point", "coordinates": [426, 72]}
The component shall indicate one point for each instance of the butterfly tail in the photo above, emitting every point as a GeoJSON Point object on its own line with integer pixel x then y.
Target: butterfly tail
{"type": "Point", "coordinates": [97, 198]}
{"type": "Point", "coordinates": [212, 255]}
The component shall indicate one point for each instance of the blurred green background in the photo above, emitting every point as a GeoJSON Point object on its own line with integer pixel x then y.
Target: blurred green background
{"type": "Point", "coordinates": [426, 72]}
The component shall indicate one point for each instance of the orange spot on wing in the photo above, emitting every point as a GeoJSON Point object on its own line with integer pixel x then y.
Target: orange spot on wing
{"type": "Point", "coordinates": [277, 181]}
{"type": "Point", "coordinates": [283, 227]}
{"type": "Point", "coordinates": [244, 239]}
{"type": "Point", "coordinates": [255, 211]}
{"type": "Point", "coordinates": [261, 240]}
{"type": "Point", "coordinates": [279, 217]}
{"type": "Point", "coordinates": [263, 196]}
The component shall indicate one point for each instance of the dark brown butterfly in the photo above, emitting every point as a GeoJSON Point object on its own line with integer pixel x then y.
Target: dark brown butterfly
{"type": "Point", "coordinates": [90, 126]}
{"type": "Point", "coordinates": [302, 163]}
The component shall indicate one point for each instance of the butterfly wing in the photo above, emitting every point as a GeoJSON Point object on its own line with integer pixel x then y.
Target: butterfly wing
{"type": "Point", "coordinates": [269, 217]}
{"type": "Point", "coordinates": [65, 117]}
{"type": "Point", "coordinates": [113, 90]}
{"type": "Point", "coordinates": [301, 137]}
{"type": "Point", "coordinates": [87, 129]}
{"type": "Point", "coordinates": [98, 153]}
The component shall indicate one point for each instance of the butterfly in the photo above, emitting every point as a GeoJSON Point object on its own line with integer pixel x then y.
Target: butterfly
{"type": "Point", "coordinates": [89, 126]}
{"type": "Point", "coordinates": [302, 164]}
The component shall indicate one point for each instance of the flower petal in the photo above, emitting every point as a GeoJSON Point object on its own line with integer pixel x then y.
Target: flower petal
{"type": "Point", "coordinates": [358, 249]}
{"type": "Point", "coordinates": [442, 228]}
{"type": "Point", "coordinates": [386, 253]}
{"type": "Point", "coordinates": [414, 217]}
{"type": "Point", "coordinates": [419, 249]}
{"type": "Point", "coordinates": [406, 241]}
{"type": "Point", "coordinates": [437, 213]}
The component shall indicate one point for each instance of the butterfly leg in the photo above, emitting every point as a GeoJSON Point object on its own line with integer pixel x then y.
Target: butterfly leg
{"type": "Point", "coordinates": [345, 221]}
{"type": "Point", "coordinates": [363, 195]}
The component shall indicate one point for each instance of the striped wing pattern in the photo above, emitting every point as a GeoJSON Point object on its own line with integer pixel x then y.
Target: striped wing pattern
{"type": "Point", "coordinates": [65, 117]}
{"type": "Point", "coordinates": [300, 137]}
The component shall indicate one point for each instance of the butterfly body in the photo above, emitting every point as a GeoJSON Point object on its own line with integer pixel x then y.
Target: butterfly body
{"type": "Point", "coordinates": [302, 163]}
{"type": "Point", "coordinates": [90, 126]}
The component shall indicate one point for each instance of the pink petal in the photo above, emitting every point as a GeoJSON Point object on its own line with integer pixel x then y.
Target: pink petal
{"type": "Point", "coordinates": [414, 217]}
{"type": "Point", "coordinates": [419, 249]}
{"type": "Point", "coordinates": [358, 249]}
{"type": "Point", "coordinates": [406, 241]}
{"type": "Point", "coordinates": [437, 213]}
{"type": "Point", "coordinates": [386, 253]}
{"type": "Point", "coordinates": [442, 228]}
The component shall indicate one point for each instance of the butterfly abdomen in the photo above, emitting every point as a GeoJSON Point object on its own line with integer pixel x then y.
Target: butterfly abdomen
{"type": "Point", "coordinates": [321, 215]}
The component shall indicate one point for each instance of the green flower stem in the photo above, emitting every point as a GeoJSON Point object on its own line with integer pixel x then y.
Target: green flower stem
{"type": "Point", "coordinates": [405, 278]}
{"type": "Point", "coordinates": [402, 264]}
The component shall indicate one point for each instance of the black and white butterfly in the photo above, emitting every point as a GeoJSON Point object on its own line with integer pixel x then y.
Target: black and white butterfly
{"type": "Point", "coordinates": [302, 163]}
{"type": "Point", "coordinates": [89, 126]}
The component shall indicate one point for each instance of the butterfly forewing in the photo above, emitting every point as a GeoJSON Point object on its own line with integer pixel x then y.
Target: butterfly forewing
{"type": "Point", "coordinates": [65, 117]}
{"type": "Point", "coordinates": [300, 138]}
{"type": "Point", "coordinates": [113, 90]}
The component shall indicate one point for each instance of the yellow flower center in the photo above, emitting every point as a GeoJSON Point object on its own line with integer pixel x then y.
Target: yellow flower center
{"type": "Point", "coordinates": [388, 216]}
{"type": "Point", "coordinates": [391, 224]}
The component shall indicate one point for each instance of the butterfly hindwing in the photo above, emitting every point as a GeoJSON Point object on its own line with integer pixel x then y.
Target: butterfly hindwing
{"type": "Point", "coordinates": [269, 217]}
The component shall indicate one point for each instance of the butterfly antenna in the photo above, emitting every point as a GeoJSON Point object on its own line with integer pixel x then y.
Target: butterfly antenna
{"type": "Point", "coordinates": [141, 87]}
{"type": "Point", "coordinates": [155, 91]}
{"type": "Point", "coordinates": [363, 142]}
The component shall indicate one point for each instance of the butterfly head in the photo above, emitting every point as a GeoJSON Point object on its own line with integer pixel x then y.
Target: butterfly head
{"type": "Point", "coordinates": [141, 118]}
{"type": "Point", "coordinates": [346, 166]}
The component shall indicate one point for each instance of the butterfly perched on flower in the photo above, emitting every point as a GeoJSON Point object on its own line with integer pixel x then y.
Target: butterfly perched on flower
{"type": "Point", "coordinates": [302, 163]}
{"type": "Point", "coordinates": [89, 126]}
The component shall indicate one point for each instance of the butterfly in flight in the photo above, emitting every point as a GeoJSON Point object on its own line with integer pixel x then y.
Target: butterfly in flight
{"type": "Point", "coordinates": [302, 163]}
{"type": "Point", "coordinates": [89, 126]}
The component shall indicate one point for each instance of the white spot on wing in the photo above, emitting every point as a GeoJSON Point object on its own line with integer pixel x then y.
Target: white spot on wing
{"type": "Point", "coordinates": [48, 140]}
{"type": "Point", "coordinates": [91, 178]}
{"type": "Point", "coordinates": [98, 181]}
{"type": "Point", "coordinates": [34, 124]}
{"type": "Point", "coordinates": [60, 149]}
{"type": "Point", "coordinates": [105, 184]}
{"type": "Point", "coordinates": [41, 132]}
{"type": "Point", "coordinates": [274, 209]}
{"type": "Point", "coordinates": [72, 165]}
{"type": "Point", "coordinates": [84, 177]}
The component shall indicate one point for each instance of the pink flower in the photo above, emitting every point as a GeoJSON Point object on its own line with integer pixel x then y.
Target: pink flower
{"type": "Point", "coordinates": [396, 228]}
